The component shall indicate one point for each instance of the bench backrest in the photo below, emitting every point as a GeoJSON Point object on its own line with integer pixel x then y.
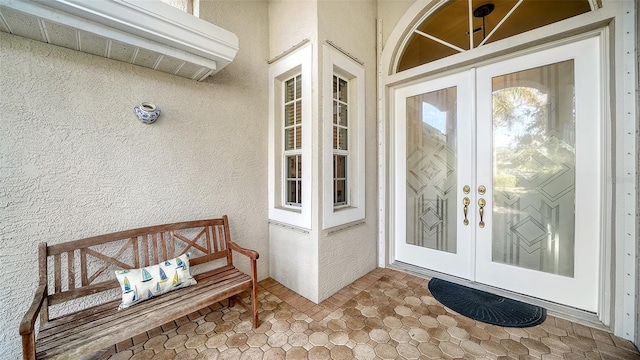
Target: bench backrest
{"type": "Point", "coordinates": [83, 267]}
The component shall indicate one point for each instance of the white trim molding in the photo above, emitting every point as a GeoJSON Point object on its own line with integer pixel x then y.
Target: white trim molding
{"type": "Point", "coordinates": [336, 63]}
{"type": "Point", "coordinates": [297, 62]}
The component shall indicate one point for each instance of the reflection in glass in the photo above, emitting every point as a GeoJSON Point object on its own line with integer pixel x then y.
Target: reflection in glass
{"type": "Point", "coordinates": [534, 169]}
{"type": "Point", "coordinates": [431, 170]}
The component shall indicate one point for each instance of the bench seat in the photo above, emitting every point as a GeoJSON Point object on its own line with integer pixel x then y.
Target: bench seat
{"type": "Point", "coordinates": [96, 327]}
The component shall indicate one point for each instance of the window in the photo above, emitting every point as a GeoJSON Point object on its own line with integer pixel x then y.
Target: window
{"type": "Point", "coordinates": [293, 140]}
{"type": "Point", "coordinates": [340, 140]}
{"type": "Point", "coordinates": [457, 26]}
{"type": "Point", "coordinates": [343, 170]}
{"type": "Point", "coordinates": [289, 139]}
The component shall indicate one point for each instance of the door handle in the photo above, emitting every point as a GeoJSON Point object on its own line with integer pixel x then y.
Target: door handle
{"type": "Point", "coordinates": [481, 203]}
{"type": "Point", "coordinates": [466, 203]}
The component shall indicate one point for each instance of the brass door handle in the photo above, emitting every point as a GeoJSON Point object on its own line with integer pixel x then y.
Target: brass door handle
{"type": "Point", "coordinates": [481, 203]}
{"type": "Point", "coordinates": [466, 203]}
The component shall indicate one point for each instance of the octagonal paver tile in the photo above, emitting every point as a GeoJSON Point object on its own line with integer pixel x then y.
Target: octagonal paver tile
{"type": "Point", "coordinates": [369, 311]}
{"type": "Point", "coordinates": [408, 351]}
{"type": "Point", "coordinates": [187, 328]}
{"type": "Point", "coordinates": [363, 352]}
{"type": "Point", "coordinates": [359, 336]}
{"type": "Point", "coordinates": [237, 340]}
{"type": "Point", "coordinates": [458, 334]}
{"type": "Point", "coordinates": [156, 343]}
{"type": "Point", "coordinates": [473, 349]}
{"type": "Point", "coordinates": [196, 341]}
{"type": "Point", "coordinates": [400, 335]}
{"type": "Point", "coordinates": [478, 333]}
{"type": "Point", "coordinates": [493, 348]}
{"type": "Point", "coordinates": [318, 338]}
{"type": "Point", "coordinates": [419, 334]}
{"type": "Point", "coordinates": [341, 352]}
{"type": "Point", "coordinates": [319, 353]}
{"type": "Point", "coordinates": [252, 354]}
{"type": "Point", "coordinates": [379, 336]}
{"type": "Point", "coordinates": [439, 334]}
{"type": "Point", "coordinates": [277, 340]}
{"type": "Point", "coordinates": [274, 354]}
{"type": "Point", "coordinates": [230, 354]}
{"type": "Point", "coordinates": [257, 340]}
{"type": "Point", "coordinates": [299, 326]}
{"type": "Point", "coordinates": [536, 348]}
{"type": "Point", "coordinates": [429, 321]}
{"type": "Point", "coordinates": [515, 347]}
{"type": "Point", "coordinates": [298, 339]}
{"type": "Point", "coordinates": [386, 351]}
{"type": "Point", "coordinates": [339, 338]}
{"type": "Point", "coordinates": [175, 342]}
{"type": "Point", "coordinates": [451, 349]}
{"type": "Point", "coordinates": [336, 325]}
{"type": "Point", "coordinates": [297, 353]}
{"type": "Point", "coordinates": [205, 327]}
{"type": "Point", "coordinates": [403, 311]}
{"type": "Point", "coordinates": [431, 351]}
{"type": "Point", "coordinates": [447, 321]}
{"type": "Point", "coordinates": [392, 322]}
{"type": "Point", "coordinates": [355, 323]}
{"type": "Point", "coordinates": [280, 326]}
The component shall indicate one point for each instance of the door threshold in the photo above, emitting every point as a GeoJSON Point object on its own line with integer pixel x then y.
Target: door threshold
{"type": "Point", "coordinates": [554, 309]}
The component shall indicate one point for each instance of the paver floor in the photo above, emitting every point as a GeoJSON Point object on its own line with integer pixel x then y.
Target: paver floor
{"type": "Point", "coordinates": [386, 314]}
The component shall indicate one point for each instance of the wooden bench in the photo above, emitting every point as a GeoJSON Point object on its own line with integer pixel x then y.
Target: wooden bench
{"type": "Point", "coordinates": [83, 280]}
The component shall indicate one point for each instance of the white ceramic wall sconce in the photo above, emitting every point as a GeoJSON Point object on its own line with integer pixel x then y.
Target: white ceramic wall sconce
{"type": "Point", "coordinates": [147, 112]}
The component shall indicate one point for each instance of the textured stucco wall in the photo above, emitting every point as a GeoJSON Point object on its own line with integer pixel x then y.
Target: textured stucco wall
{"type": "Point", "coordinates": [294, 254]}
{"type": "Point", "coordinates": [390, 12]}
{"type": "Point", "coordinates": [75, 161]}
{"type": "Point", "coordinates": [346, 255]}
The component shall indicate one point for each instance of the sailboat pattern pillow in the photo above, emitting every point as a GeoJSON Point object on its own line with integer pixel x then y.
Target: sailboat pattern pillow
{"type": "Point", "coordinates": [142, 284]}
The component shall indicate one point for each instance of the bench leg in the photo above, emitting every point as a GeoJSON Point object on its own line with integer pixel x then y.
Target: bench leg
{"type": "Point", "coordinates": [29, 346]}
{"type": "Point", "coordinates": [254, 305]}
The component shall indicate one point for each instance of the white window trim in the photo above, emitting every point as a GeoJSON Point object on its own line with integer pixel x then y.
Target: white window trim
{"type": "Point", "coordinates": [300, 62]}
{"type": "Point", "coordinates": [335, 62]}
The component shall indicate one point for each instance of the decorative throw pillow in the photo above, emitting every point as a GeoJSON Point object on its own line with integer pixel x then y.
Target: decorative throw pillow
{"type": "Point", "coordinates": [141, 284]}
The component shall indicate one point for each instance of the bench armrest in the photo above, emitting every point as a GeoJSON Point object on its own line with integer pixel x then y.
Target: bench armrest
{"type": "Point", "coordinates": [253, 255]}
{"type": "Point", "coordinates": [28, 321]}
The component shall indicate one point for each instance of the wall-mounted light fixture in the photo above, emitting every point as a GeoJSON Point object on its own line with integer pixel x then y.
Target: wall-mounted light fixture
{"type": "Point", "coordinates": [147, 112]}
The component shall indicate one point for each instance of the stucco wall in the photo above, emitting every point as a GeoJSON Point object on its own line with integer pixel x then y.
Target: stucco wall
{"type": "Point", "coordinates": [346, 255]}
{"type": "Point", "coordinates": [75, 161]}
{"type": "Point", "coordinates": [294, 254]}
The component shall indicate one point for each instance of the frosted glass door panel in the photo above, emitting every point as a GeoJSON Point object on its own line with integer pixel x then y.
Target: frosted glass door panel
{"type": "Point", "coordinates": [433, 164]}
{"type": "Point", "coordinates": [534, 168]}
{"type": "Point", "coordinates": [431, 170]}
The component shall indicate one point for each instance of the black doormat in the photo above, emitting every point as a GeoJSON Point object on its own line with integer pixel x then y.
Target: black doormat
{"type": "Point", "coordinates": [485, 307]}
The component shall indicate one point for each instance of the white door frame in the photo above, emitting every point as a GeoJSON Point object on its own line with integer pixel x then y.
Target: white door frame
{"type": "Point", "coordinates": [618, 269]}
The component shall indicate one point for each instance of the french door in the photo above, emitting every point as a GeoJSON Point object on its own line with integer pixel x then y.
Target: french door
{"type": "Point", "coordinates": [498, 174]}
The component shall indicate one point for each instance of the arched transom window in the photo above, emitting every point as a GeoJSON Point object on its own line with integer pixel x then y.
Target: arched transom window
{"type": "Point", "coordinates": [460, 25]}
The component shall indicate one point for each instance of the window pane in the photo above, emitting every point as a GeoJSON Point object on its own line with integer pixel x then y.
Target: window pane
{"type": "Point", "coordinates": [293, 192]}
{"type": "Point", "coordinates": [289, 90]}
{"type": "Point", "coordinates": [340, 193]}
{"type": "Point", "coordinates": [534, 169]}
{"type": "Point", "coordinates": [335, 112]}
{"type": "Point", "coordinates": [432, 208]}
{"type": "Point", "coordinates": [340, 166]}
{"type": "Point", "coordinates": [298, 86]}
{"type": "Point", "coordinates": [298, 137]}
{"type": "Point", "coordinates": [289, 137]}
{"type": "Point", "coordinates": [289, 114]}
{"type": "Point", "coordinates": [298, 112]}
{"type": "Point", "coordinates": [335, 87]}
{"type": "Point", "coordinates": [342, 139]}
{"type": "Point", "coordinates": [343, 115]}
{"type": "Point", "coordinates": [342, 90]}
